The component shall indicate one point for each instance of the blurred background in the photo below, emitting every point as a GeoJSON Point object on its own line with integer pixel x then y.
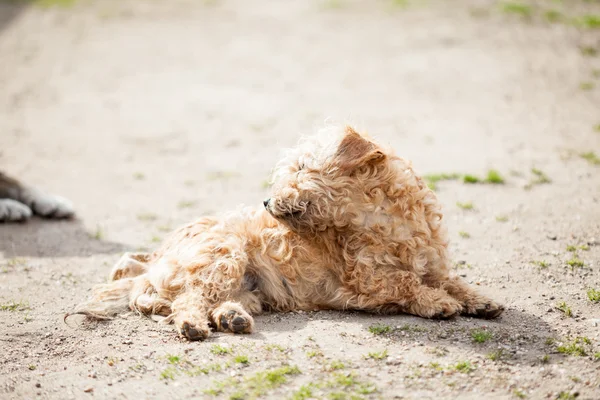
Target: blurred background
{"type": "Point", "coordinates": [167, 110]}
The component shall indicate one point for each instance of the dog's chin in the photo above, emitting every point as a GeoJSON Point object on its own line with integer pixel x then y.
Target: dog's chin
{"type": "Point", "coordinates": [293, 220]}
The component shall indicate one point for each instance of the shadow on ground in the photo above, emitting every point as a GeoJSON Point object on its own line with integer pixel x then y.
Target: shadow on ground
{"type": "Point", "coordinates": [506, 332]}
{"type": "Point", "coordinates": [47, 238]}
{"type": "Point", "coordinates": [9, 11]}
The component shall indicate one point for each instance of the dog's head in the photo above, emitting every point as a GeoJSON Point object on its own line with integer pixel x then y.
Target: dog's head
{"type": "Point", "coordinates": [330, 181]}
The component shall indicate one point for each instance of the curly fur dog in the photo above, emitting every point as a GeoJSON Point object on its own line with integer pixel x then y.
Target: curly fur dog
{"type": "Point", "coordinates": [19, 201]}
{"type": "Point", "coordinates": [348, 226]}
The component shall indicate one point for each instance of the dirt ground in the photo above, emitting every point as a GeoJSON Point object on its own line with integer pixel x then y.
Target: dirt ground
{"type": "Point", "coordinates": [148, 114]}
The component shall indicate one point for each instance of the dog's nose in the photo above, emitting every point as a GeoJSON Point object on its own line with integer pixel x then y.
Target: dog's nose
{"type": "Point", "coordinates": [266, 202]}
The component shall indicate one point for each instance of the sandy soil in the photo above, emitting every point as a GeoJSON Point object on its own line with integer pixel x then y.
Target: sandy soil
{"type": "Point", "coordinates": [148, 114]}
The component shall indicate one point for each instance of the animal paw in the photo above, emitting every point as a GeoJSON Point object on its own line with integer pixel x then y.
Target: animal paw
{"type": "Point", "coordinates": [50, 206]}
{"type": "Point", "coordinates": [231, 317]}
{"type": "Point", "coordinates": [438, 304]}
{"type": "Point", "coordinates": [47, 205]}
{"type": "Point", "coordinates": [13, 211]}
{"type": "Point", "coordinates": [447, 309]}
{"type": "Point", "coordinates": [483, 308]}
{"type": "Point", "coordinates": [192, 328]}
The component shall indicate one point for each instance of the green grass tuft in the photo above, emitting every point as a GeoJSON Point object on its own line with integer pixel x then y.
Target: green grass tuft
{"type": "Point", "coordinates": [303, 393]}
{"type": "Point", "coordinates": [593, 295]}
{"type": "Point", "coordinates": [590, 157]}
{"type": "Point", "coordinates": [13, 306]}
{"type": "Point", "coordinates": [496, 355]}
{"type": "Point", "coordinates": [481, 335]}
{"type": "Point", "coordinates": [517, 8]}
{"type": "Point", "coordinates": [465, 206]}
{"type": "Point", "coordinates": [562, 306]}
{"type": "Point", "coordinates": [588, 21]}
{"type": "Point", "coordinates": [540, 177]}
{"type": "Point", "coordinates": [577, 347]}
{"type": "Point", "coordinates": [589, 51]}
{"type": "Point", "coordinates": [586, 86]}
{"type": "Point", "coordinates": [433, 179]}
{"type": "Point", "coordinates": [262, 381]}
{"type": "Point", "coordinates": [470, 179]}
{"type": "Point", "coordinates": [168, 374]}
{"type": "Point", "coordinates": [464, 366]}
{"type": "Point", "coordinates": [575, 263]}
{"type": "Point", "coordinates": [147, 217]}
{"type": "Point", "coordinates": [241, 359]}
{"type": "Point", "coordinates": [464, 234]}
{"type": "Point", "coordinates": [335, 365]}
{"type": "Point", "coordinates": [380, 329]}
{"type": "Point", "coordinates": [541, 263]}
{"type": "Point", "coordinates": [378, 355]}
{"type": "Point", "coordinates": [185, 204]}
{"type": "Point", "coordinates": [173, 359]}
{"type": "Point", "coordinates": [501, 218]}
{"type": "Point", "coordinates": [494, 177]}
{"type": "Point", "coordinates": [553, 16]}
{"type": "Point", "coordinates": [314, 353]}
{"type": "Point", "coordinates": [220, 350]}
{"type": "Point", "coordinates": [566, 396]}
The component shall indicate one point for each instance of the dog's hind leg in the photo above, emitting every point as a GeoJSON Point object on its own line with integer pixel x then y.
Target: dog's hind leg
{"type": "Point", "coordinates": [474, 304]}
{"type": "Point", "coordinates": [130, 265]}
{"type": "Point", "coordinates": [378, 290]}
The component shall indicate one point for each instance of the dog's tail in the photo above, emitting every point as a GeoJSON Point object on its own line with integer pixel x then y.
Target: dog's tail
{"type": "Point", "coordinates": [108, 300]}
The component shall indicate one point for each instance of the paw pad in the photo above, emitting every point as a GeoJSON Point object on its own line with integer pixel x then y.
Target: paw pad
{"type": "Point", "coordinates": [232, 321]}
{"type": "Point", "coordinates": [192, 333]}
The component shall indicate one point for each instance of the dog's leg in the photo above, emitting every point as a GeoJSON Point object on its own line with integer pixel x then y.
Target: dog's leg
{"type": "Point", "coordinates": [13, 211]}
{"type": "Point", "coordinates": [231, 317]}
{"type": "Point", "coordinates": [40, 203]}
{"type": "Point", "coordinates": [190, 314]}
{"type": "Point", "coordinates": [386, 286]}
{"type": "Point", "coordinates": [474, 304]}
{"type": "Point", "coordinates": [130, 265]}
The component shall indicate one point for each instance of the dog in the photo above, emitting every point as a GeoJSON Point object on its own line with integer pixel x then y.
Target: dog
{"type": "Point", "coordinates": [18, 202]}
{"type": "Point", "coordinates": [348, 226]}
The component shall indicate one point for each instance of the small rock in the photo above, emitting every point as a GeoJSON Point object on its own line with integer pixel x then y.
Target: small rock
{"type": "Point", "coordinates": [88, 389]}
{"type": "Point", "coordinates": [552, 237]}
{"type": "Point", "coordinates": [38, 385]}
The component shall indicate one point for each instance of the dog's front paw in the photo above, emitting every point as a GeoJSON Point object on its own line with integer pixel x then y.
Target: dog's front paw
{"type": "Point", "coordinates": [483, 308]}
{"type": "Point", "coordinates": [50, 206]}
{"type": "Point", "coordinates": [192, 328]}
{"type": "Point", "coordinates": [13, 211]}
{"type": "Point", "coordinates": [231, 317]}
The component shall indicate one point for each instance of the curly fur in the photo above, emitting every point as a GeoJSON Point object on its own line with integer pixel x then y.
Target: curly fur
{"type": "Point", "coordinates": [348, 226]}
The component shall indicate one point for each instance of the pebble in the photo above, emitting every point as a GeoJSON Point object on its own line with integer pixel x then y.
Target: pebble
{"type": "Point", "coordinates": [38, 385]}
{"type": "Point", "coordinates": [88, 389]}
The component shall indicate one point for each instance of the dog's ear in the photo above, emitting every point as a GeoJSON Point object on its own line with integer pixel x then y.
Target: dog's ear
{"type": "Point", "coordinates": [355, 151]}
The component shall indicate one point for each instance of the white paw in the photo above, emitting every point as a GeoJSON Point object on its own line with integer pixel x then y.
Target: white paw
{"type": "Point", "coordinates": [12, 210]}
{"type": "Point", "coordinates": [51, 206]}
